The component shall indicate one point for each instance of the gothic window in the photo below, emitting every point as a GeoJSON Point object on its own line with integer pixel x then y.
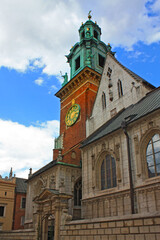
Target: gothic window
{"type": "Point", "coordinates": [103, 100]}
{"type": "Point", "coordinates": [153, 156]}
{"type": "Point", "coordinates": [77, 63]}
{"type": "Point", "coordinates": [108, 172]}
{"type": "Point", "coordinates": [120, 89]}
{"type": "Point", "coordinates": [78, 193]}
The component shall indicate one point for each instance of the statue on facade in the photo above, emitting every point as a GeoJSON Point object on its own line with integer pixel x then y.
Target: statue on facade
{"type": "Point", "coordinates": [65, 79]}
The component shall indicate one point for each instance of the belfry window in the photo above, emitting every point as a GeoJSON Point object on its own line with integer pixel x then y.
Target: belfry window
{"type": "Point", "coordinates": [77, 63]}
{"type": "Point", "coordinates": [101, 60]}
{"type": "Point", "coordinates": [103, 100]}
{"type": "Point", "coordinates": [95, 34]}
{"type": "Point", "coordinates": [153, 156]}
{"type": "Point", "coordinates": [108, 172]}
{"type": "Point", "coordinates": [78, 193]}
{"type": "Point", "coordinates": [82, 34]}
{"type": "Point", "coordinates": [120, 89]}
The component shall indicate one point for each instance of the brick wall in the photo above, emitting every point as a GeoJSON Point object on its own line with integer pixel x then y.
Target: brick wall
{"type": "Point", "coordinates": [133, 227]}
{"type": "Point", "coordinates": [85, 97]}
{"type": "Point", "coordinates": [19, 212]}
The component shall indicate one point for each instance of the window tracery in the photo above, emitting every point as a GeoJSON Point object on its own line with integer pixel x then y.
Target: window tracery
{"type": "Point", "coordinates": [78, 193]}
{"type": "Point", "coordinates": [153, 156]}
{"type": "Point", "coordinates": [108, 172]}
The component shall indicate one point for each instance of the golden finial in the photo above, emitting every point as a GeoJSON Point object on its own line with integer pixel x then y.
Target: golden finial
{"type": "Point", "coordinates": [108, 44]}
{"type": "Point", "coordinates": [95, 22]}
{"type": "Point", "coordinates": [89, 15]}
{"type": "Point", "coordinates": [82, 23]}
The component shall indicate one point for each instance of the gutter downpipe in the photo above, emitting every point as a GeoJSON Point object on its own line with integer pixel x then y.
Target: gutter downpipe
{"type": "Point", "coordinates": [124, 127]}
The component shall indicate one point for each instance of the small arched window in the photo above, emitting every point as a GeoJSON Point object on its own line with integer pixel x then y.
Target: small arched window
{"type": "Point", "coordinates": [108, 172]}
{"type": "Point", "coordinates": [153, 156]}
{"type": "Point", "coordinates": [120, 89]}
{"type": "Point", "coordinates": [78, 193]}
{"type": "Point", "coordinates": [103, 100]}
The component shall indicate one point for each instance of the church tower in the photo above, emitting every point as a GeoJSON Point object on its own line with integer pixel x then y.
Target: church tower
{"type": "Point", "coordinates": [77, 96]}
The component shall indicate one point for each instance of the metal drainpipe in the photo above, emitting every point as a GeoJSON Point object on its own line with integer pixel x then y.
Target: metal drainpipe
{"type": "Point", "coordinates": [124, 127]}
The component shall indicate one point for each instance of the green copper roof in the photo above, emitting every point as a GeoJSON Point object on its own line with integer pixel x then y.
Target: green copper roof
{"type": "Point", "coordinates": [90, 51]}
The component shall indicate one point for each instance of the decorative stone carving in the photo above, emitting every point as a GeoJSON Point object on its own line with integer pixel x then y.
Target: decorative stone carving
{"type": "Point", "coordinates": [138, 162]}
{"type": "Point", "coordinates": [93, 161]}
{"type": "Point", "coordinates": [150, 124]}
{"type": "Point", "coordinates": [44, 182]}
{"type": "Point", "coordinates": [52, 183]}
{"type": "Point", "coordinates": [117, 153]}
{"type": "Point", "coordinates": [62, 182]}
{"type": "Point", "coordinates": [136, 143]}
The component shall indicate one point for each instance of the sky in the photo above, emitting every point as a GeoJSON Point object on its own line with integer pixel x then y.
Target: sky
{"type": "Point", "coordinates": [35, 36]}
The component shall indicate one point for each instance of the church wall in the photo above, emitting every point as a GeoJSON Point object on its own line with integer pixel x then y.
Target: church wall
{"type": "Point", "coordinates": [58, 177]}
{"type": "Point", "coordinates": [116, 201]}
{"type": "Point", "coordinates": [133, 91]}
{"type": "Point", "coordinates": [122, 228]}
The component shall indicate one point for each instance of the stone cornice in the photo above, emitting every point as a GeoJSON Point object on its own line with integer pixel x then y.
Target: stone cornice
{"type": "Point", "coordinates": [87, 74]}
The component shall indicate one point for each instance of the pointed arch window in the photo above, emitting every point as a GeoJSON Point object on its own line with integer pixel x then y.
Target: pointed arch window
{"type": "Point", "coordinates": [103, 100]}
{"type": "Point", "coordinates": [120, 89]}
{"type": "Point", "coordinates": [78, 193]}
{"type": "Point", "coordinates": [108, 173]}
{"type": "Point", "coordinates": [153, 156]}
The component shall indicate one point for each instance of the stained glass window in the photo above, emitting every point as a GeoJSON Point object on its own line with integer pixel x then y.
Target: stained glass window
{"type": "Point", "coordinates": [108, 172]}
{"type": "Point", "coordinates": [153, 156]}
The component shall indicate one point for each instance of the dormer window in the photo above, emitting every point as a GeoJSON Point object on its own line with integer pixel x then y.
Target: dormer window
{"type": "Point", "coordinates": [120, 89]}
{"type": "Point", "coordinates": [101, 60]}
{"type": "Point", "coordinates": [95, 34]}
{"type": "Point", "coordinates": [77, 63]}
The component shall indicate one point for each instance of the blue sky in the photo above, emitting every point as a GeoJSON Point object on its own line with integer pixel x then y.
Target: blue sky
{"type": "Point", "coordinates": [35, 36]}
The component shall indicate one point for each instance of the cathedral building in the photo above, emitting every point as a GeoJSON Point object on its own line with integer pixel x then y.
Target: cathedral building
{"type": "Point", "coordinates": [104, 179]}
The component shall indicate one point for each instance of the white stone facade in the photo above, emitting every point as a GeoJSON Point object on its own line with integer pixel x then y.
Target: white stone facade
{"type": "Point", "coordinates": [133, 91]}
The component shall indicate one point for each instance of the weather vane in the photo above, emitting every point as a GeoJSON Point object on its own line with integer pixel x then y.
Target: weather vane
{"type": "Point", "coordinates": [89, 15]}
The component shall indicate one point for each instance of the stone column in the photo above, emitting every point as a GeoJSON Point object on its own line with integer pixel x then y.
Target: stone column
{"type": "Point", "coordinates": [57, 220]}
{"type": "Point", "coordinates": [45, 229]}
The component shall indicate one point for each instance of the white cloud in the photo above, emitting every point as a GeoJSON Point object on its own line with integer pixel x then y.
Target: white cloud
{"type": "Point", "coordinates": [52, 89]}
{"type": "Point", "coordinates": [43, 31]}
{"type": "Point", "coordinates": [39, 81]}
{"type": "Point", "coordinates": [23, 147]}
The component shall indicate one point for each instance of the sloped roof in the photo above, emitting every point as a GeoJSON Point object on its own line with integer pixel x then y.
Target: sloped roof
{"type": "Point", "coordinates": [134, 75]}
{"type": "Point", "coordinates": [21, 185]}
{"type": "Point", "coordinates": [146, 105]}
{"type": "Point", "coordinates": [43, 169]}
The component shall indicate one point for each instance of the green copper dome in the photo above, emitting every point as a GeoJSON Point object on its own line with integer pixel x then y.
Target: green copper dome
{"type": "Point", "coordinates": [90, 51]}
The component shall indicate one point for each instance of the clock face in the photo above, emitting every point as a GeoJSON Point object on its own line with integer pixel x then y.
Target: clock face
{"type": "Point", "coordinates": [72, 115]}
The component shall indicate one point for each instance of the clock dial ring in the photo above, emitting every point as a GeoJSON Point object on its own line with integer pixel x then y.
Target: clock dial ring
{"type": "Point", "coordinates": [72, 115]}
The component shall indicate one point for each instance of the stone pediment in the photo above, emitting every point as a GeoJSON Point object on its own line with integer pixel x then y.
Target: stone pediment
{"type": "Point", "coordinates": [48, 194]}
